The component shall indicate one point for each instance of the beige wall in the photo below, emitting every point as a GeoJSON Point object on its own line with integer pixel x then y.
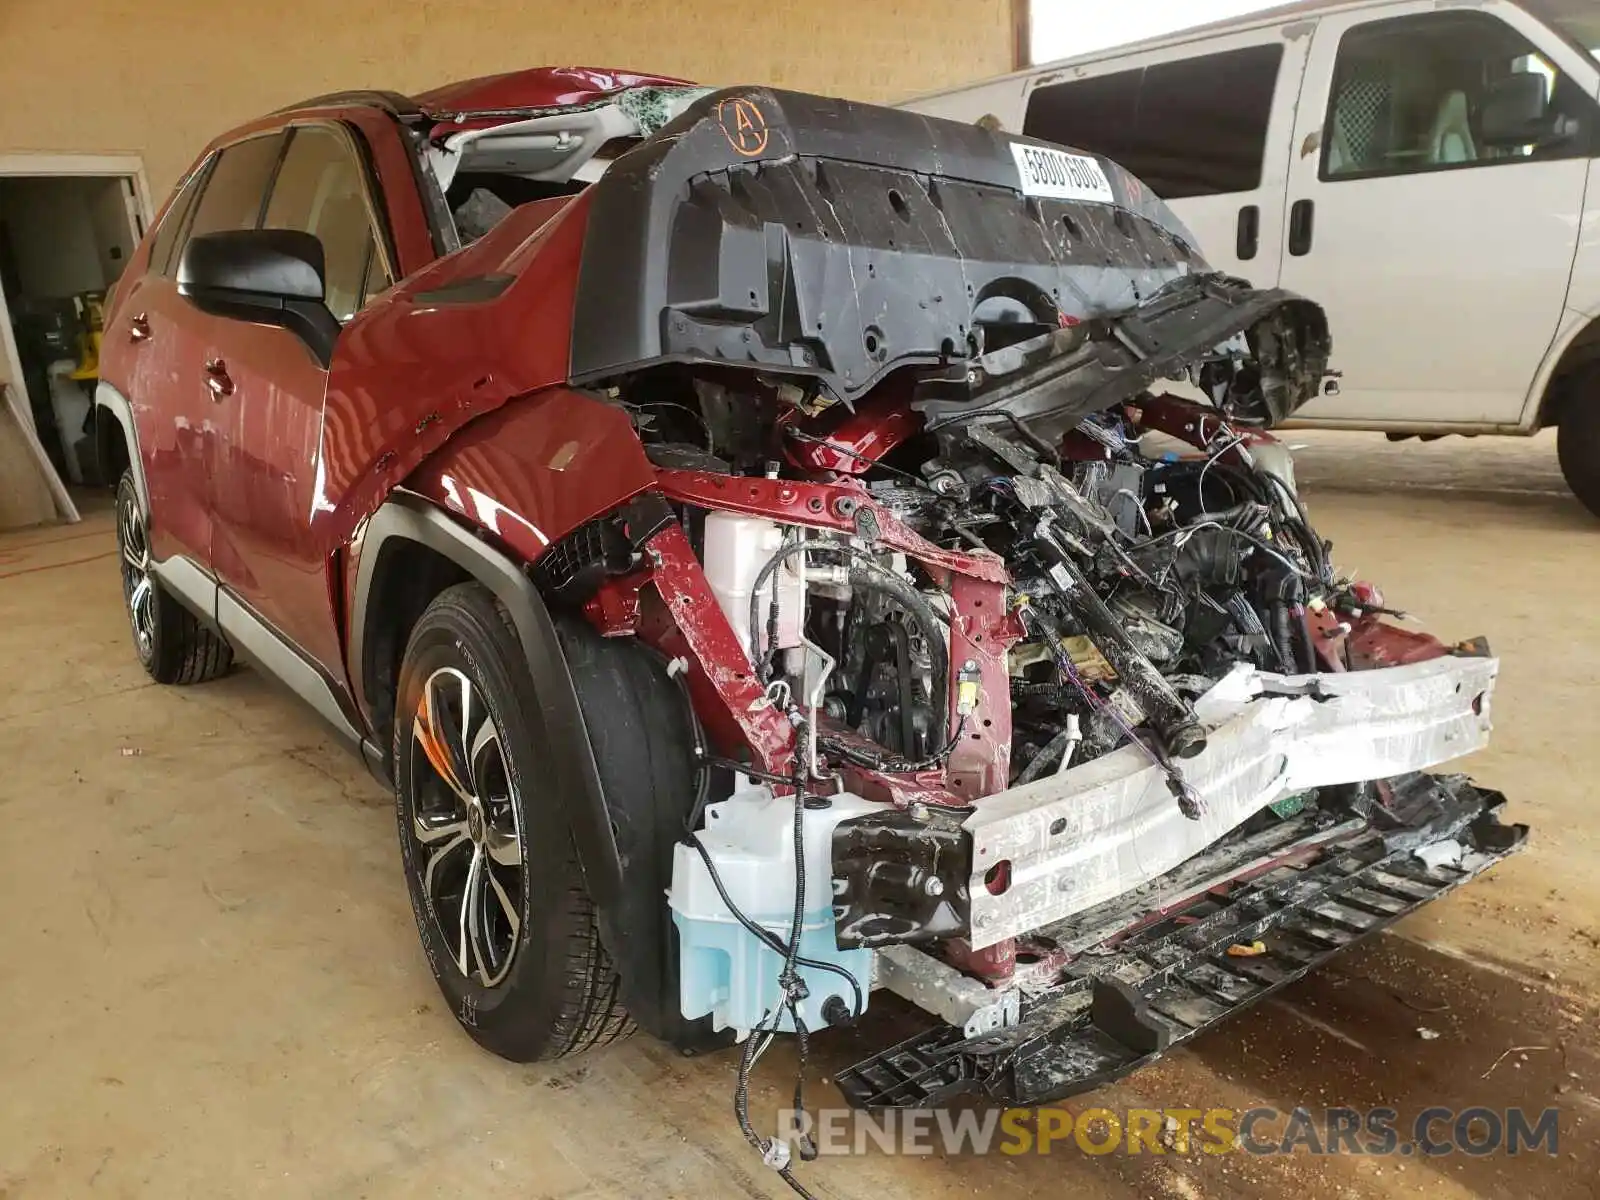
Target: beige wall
{"type": "Point", "coordinates": [161, 77]}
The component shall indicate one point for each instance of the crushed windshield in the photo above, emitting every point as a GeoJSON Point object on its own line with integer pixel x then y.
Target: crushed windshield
{"type": "Point", "coordinates": [557, 151]}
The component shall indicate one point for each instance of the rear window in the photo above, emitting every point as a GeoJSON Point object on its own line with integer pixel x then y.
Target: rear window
{"type": "Point", "coordinates": [1192, 128]}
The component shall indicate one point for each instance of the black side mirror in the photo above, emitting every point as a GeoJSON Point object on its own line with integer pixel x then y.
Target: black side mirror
{"type": "Point", "coordinates": [267, 276]}
{"type": "Point", "coordinates": [1516, 111]}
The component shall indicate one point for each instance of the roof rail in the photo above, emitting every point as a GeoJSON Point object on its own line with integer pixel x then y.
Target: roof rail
{"type": "Point", "coordinates": [392, 102]}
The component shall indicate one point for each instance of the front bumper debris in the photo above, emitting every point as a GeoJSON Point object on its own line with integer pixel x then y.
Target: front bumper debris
{"type": "Point", "coordinates": [1165, 974]}
{"type": "Point", "coordinates": [1094, 832]}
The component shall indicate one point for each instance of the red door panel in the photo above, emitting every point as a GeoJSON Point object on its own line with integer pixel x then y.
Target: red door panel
{"type": "Point", "coordinates": [270, 484]}
{"type": "Point", "coordinates": [173, 413]}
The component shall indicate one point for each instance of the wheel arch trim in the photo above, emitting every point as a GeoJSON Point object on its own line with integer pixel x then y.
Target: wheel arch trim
{"type": "Point", "coordinates": [1576, 345]}
{"type": "Point", "coordinates": [114, 403]}
{"type": "Point", "coordinates": [559, 720]}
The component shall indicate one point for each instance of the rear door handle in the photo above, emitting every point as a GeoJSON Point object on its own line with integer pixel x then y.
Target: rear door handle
{"type": "Point", "coordinates": [1249, 238]}
{"type": "Point", "coordinates": [1302, 227]}
{"type": "Point", "coordinates": [139, 328]}
{"type": "Point", "coordinates": [218, 381]}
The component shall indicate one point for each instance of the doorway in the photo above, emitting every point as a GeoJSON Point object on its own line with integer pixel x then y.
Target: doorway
{"type": "Point", "coordinates": [68, 226]}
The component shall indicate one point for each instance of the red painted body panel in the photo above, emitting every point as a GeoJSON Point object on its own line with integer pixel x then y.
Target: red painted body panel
{"type": "Point", "coordinates": [538, 87]}
{"type": "Point", "coordinates": [863, 437]}
{"type": "Point", "coordinates": [1374, 643]}
{"type": "Point", "coordinates": [538, 468]}
{"type": "Point", "coordinates": [1329, 638]}
{"type": "Point", "coordinates": [174, 416]}
{"type": "Point", "coordinates": [267, 485]}
{"type": "Point", "coordinates": [495, 99]}
{"type": "Point", "coordinates": [236, 484]}
{"type": "Point", "coordinates": [721, 677]}
{"type": "Point", "coordinates": [1196, 424]}
{"type": "Point", "coordinates": [842, 507]}
{"type": "Point", "coordinates": [981, 632]}
{"type": "Point", "coordinates": [391, 163]}
{"type": "Point", "coordinates": [269, 497]}
{"type": "Point", "coordinates": [411, 371]}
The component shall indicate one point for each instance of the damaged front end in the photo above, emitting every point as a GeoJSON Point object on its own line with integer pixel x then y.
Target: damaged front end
{"type": "Point", "coordinates": [1077, 741]}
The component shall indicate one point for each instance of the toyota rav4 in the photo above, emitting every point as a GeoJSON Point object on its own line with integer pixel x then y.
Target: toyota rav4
{"type": "Point", "coordinates": [738, 527]}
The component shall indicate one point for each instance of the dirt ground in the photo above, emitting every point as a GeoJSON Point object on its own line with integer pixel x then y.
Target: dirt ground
{"type": "Point", "coordinates": [213, 987]}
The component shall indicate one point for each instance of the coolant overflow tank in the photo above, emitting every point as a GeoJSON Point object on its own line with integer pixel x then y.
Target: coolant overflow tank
{"type": "Point", "coordinates": [724, 970]}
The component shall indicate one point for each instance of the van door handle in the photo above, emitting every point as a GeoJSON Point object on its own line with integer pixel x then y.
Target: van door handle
{"type": "Point", "coordinates": [1302, 227]}
{"type": "Point", "coordinates": [218, 381]}
{"type": "Point", "coordinates": [139, 328]}
{"type": "Point", "coordinates": [1249, 239]}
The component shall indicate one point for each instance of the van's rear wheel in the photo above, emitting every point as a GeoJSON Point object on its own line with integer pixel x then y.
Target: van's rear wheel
{"type": "Point", "coordinates": [1578, 443]}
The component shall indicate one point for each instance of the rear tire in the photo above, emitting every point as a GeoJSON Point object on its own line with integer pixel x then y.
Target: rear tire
{"type": "Point", "coordinates": [171, 643]}
{"type": "Point", "coordinates": [1578, 442]}
{"type": "Point", "coordinates": [506, 923]}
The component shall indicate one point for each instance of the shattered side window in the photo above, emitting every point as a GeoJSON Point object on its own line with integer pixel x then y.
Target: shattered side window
{"type": "Point", "coordinates": [1448, 90]}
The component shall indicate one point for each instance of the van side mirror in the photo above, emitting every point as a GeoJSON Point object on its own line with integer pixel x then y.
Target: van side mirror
{"type": "Point", "coordinates": [1516, 111]}
{"type": "Point", "coordinates": [266, 276]}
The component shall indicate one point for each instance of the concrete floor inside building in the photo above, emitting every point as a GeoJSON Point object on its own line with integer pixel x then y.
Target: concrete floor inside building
{"type": "Point", "coordinates": [212, 984]}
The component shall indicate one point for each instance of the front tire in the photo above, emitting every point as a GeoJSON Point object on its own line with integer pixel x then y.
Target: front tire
{"type": "Point", "coordinates": [1578, 443]}
{"type": "Point", "coordinates": [171, 643]}
{"type": "Point", "coordinates": [506, 923]}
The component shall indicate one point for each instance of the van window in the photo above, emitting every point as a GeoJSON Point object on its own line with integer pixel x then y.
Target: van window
{"type": "Point", "coordinates": [1444, 91]}
{"type": "Point", "coordinates": [1192, 128]}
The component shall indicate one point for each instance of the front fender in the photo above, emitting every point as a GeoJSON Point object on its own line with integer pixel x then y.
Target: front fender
{"type": "Point", "coordinates": [558, 722]}
{"type": "Point", "coordinates": [530, 473]}
{"type": "Point", "coordinates": [452, 344]}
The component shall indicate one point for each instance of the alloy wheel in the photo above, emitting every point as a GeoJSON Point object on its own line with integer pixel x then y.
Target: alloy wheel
{"type": "Point", "coordinates": [138, 588]}
{"type": "Point", "coordinates": [465, 821]}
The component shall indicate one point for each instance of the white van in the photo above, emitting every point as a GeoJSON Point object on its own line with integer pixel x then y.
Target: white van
{"type": "Point", "coordinates": [1425, 169]}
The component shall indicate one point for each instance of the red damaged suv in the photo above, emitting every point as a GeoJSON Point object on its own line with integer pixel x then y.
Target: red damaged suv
{"type": "Point", "coordinates": [750, 534]}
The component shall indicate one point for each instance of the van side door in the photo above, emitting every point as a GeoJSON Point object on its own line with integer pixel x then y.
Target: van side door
{"type": "Point", "coordinates": [1436, 196]}
{"type": "Point", "coordinates": [1206, 125]}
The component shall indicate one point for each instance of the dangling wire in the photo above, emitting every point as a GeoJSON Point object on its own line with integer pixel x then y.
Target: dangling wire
{"type": "Point", "coordinates": [792, 988]}
{"type": "Point", "coordinates": [1189, 800]}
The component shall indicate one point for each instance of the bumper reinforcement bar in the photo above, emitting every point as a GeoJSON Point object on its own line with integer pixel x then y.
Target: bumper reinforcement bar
{"type": "Point", "coordinates": [1129, 1000]}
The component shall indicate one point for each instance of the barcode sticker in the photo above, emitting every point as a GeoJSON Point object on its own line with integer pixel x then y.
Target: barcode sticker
{"type": "Point", "coordinates": [1057, 175]}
